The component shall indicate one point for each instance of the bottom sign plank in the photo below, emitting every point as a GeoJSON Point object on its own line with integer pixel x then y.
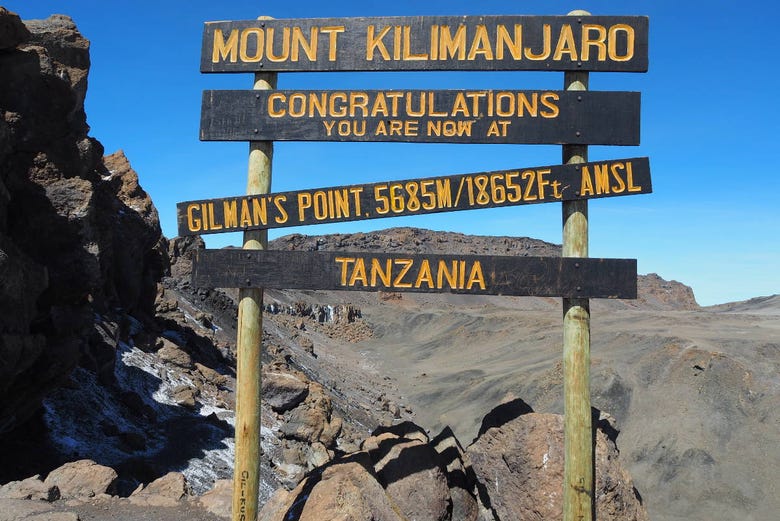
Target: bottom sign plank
{"type": "Point", "coordinates": [422, 273]}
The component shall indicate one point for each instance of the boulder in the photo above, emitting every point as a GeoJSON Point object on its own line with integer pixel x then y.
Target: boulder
{"type": "Point", "coordinates": [307, 421]}
{"type": "Point", "coordinates": [397, 466]}
{"type": "Point", "coordinates": [171, 353]}
{"type": "Point", "coordinates": [412, 477]}
{"type": "Point", "coordinates": [331, 431]}
{"type": "Point", "coordinates": [519, 465]}
{"type": "Point", "coordinates": [218, 500]}
{"type": "Point", "coordinates": [82, 479]}
{"type": "Point", "coordinates": [185, 396]}
{"type": "Point", "coordinates": [30, 488]}
{"type": "Point", "coordinates": [343, 490]}
{"type": "Point", "coordinates": [283, 391]}
{"type": "Point", "coordinates": [460, 477]}
{"type": "Point", "coordinates": [165, 491]}
{"type": "Point", "coordinates": [212, 376]}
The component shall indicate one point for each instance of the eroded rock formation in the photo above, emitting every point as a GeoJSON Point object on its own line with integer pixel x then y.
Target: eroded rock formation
{"type": "Point", "coordinates": [78, 235]}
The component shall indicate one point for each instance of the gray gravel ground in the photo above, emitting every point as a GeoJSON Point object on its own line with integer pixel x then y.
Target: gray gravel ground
{"type": "Point", "coordinates": [104, 509]}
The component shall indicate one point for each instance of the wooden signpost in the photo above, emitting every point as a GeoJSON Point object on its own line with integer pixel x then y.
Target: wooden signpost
{"type": "Point", "coordinates": [530, 185]}
{"type": "Point", "coordinates": [573, 117]}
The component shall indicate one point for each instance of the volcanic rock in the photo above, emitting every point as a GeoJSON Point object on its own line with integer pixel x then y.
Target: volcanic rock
{"type": "Point", "coordinates": [219, 500]}
{"type": "Point", "coordinates": [344, 490]}
{"type": "Point", "coordinates": [82, 479]}
{"type": "Point", "coordinates": [165, 491]}
{"type": "Point", "coordinates": [103, 249]}
{"type": "Point", "coordinates": [520, 467]}
{"type": "Point", "coordinates": [415, 481]}
{"type": "Point", "coordinates": [172, 353]}
{"type": "Point", "coordinates": [30, 488]}
{"type": "Point", "coordinates": [283, 391]}
{"type": "Point", "coordinates": [308, 421]}
{"type": "Point", "coordinates": [12, 30]}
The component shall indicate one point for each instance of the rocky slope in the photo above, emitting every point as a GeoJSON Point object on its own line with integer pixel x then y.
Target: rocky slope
{"type": "Point", "coordinates": [694, 391]}
{"type": "Point", "coordinates": [98, 358]}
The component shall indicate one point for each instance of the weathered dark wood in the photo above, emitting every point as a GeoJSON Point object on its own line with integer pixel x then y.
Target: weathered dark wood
{"type": "Point", "coordinates": [420, 43]}
{"type": "Point", "coordinates": [432, 116]}
{"type": "Point", "coordinates": [531, 185]}
{"type": "Point", "coordinates": [471, 274]}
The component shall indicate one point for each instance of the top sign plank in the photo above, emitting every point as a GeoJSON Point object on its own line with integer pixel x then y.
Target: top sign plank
{"type": "Point", "coordinates": [428, 43]}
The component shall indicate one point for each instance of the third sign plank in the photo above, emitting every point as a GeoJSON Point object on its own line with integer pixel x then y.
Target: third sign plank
{"type": "Point", "coordinates": [531, 185]}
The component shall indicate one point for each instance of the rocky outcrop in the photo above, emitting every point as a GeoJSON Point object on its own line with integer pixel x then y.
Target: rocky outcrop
{"type": "Point", "coordinates": [656, 292]}
{"type": "Point", "coordinates": [416, 240]}
{"type": "Point", "coordinates": [398, 474]}
{"type": "Point", "coordinates": [12, 30]}
{"type": "Point", "coordinates": [83, 478]}
{"type": "Point", "coordinates": [346, 490]}
{"type": "Point", "coordinates": [78, 236]}
{"type": "Point", "coordinates": [519, 466]}
{"type": "Point", "coordinates": [514, 470]}
{"type": "Point", "coordinates": [165, 491]}
{"type": "Point", "coordinates": [86, 494]}
{"type": "Point", "coordinates": [30, 488]}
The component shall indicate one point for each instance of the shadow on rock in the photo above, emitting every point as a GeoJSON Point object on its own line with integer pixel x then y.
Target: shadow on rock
{"type": "Point", "coordinates": [398, 474]}
{"type": "Point", "coordinates": [159, 413]}
{"type": "Point", "coordinates": [504, 413]}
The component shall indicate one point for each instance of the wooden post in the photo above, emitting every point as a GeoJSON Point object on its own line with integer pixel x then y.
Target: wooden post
{"type": "Point", "coordinates": [246, 471]}
{"type": "Point", "coordinates": [578, 472]}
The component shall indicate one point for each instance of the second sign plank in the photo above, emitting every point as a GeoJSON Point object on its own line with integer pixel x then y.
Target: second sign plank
{"type": "Point", "coordinates": [423, 116]}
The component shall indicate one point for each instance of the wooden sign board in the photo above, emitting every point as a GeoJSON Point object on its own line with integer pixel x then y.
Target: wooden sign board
{"type": "Point", "coordinates": [428, 43]}
{"type": "Point", "coordinates": [422, 116]}
{"type": "Point", "coordinates": [547, 184]}
{"type": "Point", "coordinates": [471, 274]}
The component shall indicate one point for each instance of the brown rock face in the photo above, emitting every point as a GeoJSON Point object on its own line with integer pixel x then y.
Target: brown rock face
{"type": "Point", "coordinates": [30, 488]}
{"type": "Point", "coordinates": [414, 480]}
{"type": "Point", "coordinates": [12, 30]}
{"type": "Point", "coordinates": [520, 467]}
{"type": "Point", "coordinates": [165, 491]}
{"type": "Point", "coordinates": [283, 391]}
{"type": "Point", "coordinates": [398, 475]}
{"type": "Point", "coordinates": [657, 292]}
{"type": "Point", "coordinates": [78, 236]}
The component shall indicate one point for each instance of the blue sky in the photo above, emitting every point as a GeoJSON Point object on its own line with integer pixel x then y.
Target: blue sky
{"type": "Point", "coordinates": [709, 124]}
